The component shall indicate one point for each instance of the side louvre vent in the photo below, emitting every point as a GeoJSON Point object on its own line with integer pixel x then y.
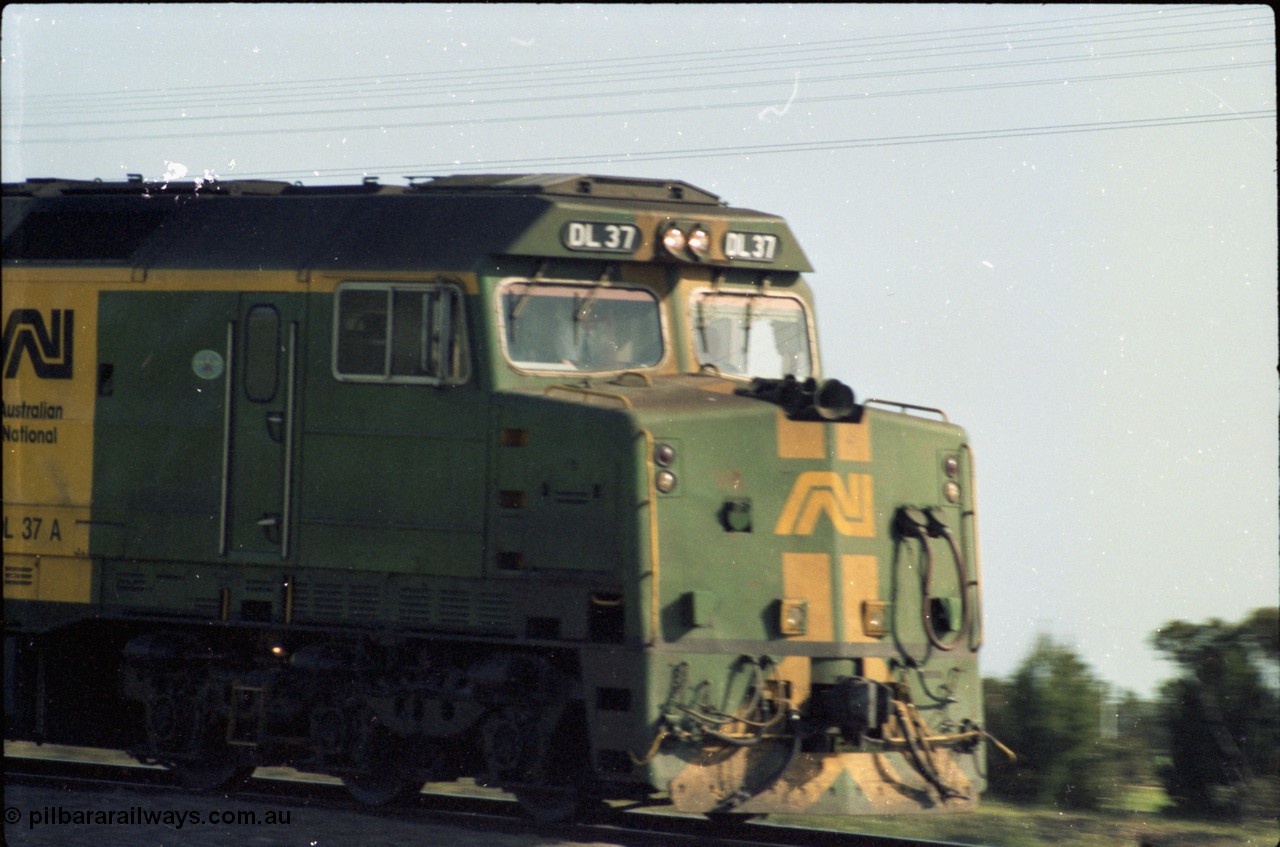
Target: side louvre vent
{"type": "Point", "coordinates": [19, 575]}
{"type": "Point", "coordinates": [413, 605]}
{"type": "Point", "coordinates": [331, 600]}
{"type": "Point", "coordinates": [454, 608]}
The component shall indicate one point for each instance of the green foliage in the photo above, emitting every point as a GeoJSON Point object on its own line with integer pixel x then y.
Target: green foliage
{"type": "Point", "coordinates": [1220, 714]}
{"type": "Point", "coordinates": [1048, 712]}
{"type": "Point", "coordinates": [1213, 737]}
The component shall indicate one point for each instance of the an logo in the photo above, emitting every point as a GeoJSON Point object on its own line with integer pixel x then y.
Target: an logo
{"type": "Point", "coordinates": [849, 506]}
{"type": "Point", "coordinates": [48, 347]}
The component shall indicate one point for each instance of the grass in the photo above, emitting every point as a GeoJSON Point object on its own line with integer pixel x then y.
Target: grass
{"type": "Point", "coordinates": [998, 824]}
{"type": "Point", "coordinates": [1147, 799]}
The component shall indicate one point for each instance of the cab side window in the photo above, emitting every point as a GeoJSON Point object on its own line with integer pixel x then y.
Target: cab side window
{"type": "Point", "coordinates": [399, 333]}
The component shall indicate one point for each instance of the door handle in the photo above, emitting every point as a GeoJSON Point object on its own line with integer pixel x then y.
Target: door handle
{"type": "Point", "coordinates": [271, 524]}
{"type": "Point", "coordinates": [275, 426]}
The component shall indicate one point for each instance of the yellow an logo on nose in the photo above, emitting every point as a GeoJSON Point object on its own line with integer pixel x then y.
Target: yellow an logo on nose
{"type": "Point", "coordinates": [850, 507]}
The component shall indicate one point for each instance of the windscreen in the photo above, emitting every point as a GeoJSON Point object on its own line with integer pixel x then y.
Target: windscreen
{"type": "Point", "coordinates": [752, 335]}
{"type": "Point", "coordinates": [553, 326]}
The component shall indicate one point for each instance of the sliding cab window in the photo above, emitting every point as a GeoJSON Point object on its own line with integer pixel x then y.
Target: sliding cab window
{"type": "Point", "coordinates": [401, 333]}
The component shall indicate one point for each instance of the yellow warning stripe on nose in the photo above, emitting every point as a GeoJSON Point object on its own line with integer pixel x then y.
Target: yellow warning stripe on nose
{"type": "Point", "coordinates": [808, 439]}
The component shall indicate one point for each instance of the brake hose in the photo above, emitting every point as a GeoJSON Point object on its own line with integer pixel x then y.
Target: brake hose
{"type": "Point", "coordinates": [932, 527]}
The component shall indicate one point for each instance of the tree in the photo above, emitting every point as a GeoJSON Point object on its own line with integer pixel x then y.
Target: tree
{"type": "Point", "coordinates": [1048, 713]}
{"type": "Point", "coordinates": [1131, 753]}
{"type": "Point", "coordinates": [1220, 714]}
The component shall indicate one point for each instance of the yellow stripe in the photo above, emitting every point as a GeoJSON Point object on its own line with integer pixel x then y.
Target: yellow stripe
{"type": "Point", "coordinates": [853, 441]}
{"type": "Point", "coordinates": [859, 582]}
{"type": "Point", "coordinates": [800, 439]}
{"type": "Point", "coordinates": [234, 279]}
{"type": "Point", "coordinates": [324, 282]}
{"type": "Point", "coordinates": [797, 670]}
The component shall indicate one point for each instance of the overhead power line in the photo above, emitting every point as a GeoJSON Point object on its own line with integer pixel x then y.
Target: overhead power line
{"type": "Point", "coordinates": [209, 99]}
{"type": "Point", "coordinates": [596, 114]}
{"type": "Point", "coordinates": [668, 91]}
{"type": "Point", "coordinates": [770, 149]}
{"type": "Point", "coordinates": [1160, 22]}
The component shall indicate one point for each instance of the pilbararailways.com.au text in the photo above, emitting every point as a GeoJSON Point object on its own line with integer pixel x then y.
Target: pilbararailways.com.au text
{"type": "Point", "coordinates": [141, 816]}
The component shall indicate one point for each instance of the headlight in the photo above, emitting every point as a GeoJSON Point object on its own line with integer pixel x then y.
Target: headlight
{"type": "Point", "coordinates": [665, 481]}
{"type": "Point", "coordinates": [699, 242]}
{"type": "Point", "coordinates": [673, 241]}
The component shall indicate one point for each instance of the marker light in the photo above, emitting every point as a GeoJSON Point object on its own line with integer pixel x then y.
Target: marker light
{"type": "Point", "coordinates": [875, 621]}
{"type": "Point", "coordinates": [793, 618]}
{"type": "Point", "coordinates": [699, 242]}
{"type": "Point", "coordinates": [665, 455]}
{"type": "Point", "coordinates": [674, 241]}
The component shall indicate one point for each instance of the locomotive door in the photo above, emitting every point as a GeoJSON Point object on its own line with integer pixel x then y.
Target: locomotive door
{"type": "Point", "coordinates": [258, 464]}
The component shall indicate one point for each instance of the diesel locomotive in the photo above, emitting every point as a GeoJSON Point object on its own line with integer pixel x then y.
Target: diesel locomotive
{"type": "Point", "coordinates": [532, 480]}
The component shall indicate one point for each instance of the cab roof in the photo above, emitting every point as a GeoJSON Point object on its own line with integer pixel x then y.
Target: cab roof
{"type": "Point", "coordinates": [455, 222]}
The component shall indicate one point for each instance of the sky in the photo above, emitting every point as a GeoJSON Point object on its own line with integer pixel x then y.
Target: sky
{"type": "Point", "coordinates": [1057, 223]}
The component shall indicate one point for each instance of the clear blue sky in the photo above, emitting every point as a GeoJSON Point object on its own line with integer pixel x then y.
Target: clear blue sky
{"type": "Point", "coordinates": [1056, 222]}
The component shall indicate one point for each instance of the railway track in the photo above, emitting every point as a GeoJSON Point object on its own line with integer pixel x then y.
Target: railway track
{"type": "Point", "coordinates": [483, 812]}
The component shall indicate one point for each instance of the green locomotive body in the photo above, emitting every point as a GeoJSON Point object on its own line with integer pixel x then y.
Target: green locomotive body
{"type": "Point", "coordinates": [532, 480]}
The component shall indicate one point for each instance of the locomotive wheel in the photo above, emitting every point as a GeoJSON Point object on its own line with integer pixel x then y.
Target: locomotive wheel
{"type": "Point", "coordinates": [173, 724]}
{"type": "Point", "coordinates": [379, 780]}
{"type": "Point", "coordinates": [563, 789]}
{"type": "Point", "coordinates": [167, 722]}
{"type": "Point", "coordinates": [506, 744]}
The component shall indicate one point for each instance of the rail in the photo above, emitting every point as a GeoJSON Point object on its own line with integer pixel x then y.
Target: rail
{"type": "Point", "coordinates": [470, 814]}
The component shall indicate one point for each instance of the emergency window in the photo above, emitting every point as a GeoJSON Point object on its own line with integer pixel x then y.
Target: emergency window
{"type": "Point", "coordinates": [399, 333]}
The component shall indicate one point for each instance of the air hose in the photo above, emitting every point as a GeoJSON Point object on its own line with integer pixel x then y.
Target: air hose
{"type": "Point", "coordinates": [923, 525]}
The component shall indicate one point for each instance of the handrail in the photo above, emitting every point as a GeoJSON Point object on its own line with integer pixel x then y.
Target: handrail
{"type": "Point", "coordinates": [905, 406]}
{"type": "Point", "coordinates": [978, 634]}
{"type": "Point", "coordinates": [651, 503]}
{"type": "Point", "coordinates": [645, 379]}
{"type": "Point", "coordinates": [573, 389]}
{"type": "Point", "coordinates": [224, 502]}
{"type": "Point", "coordinates": [287, 482]}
